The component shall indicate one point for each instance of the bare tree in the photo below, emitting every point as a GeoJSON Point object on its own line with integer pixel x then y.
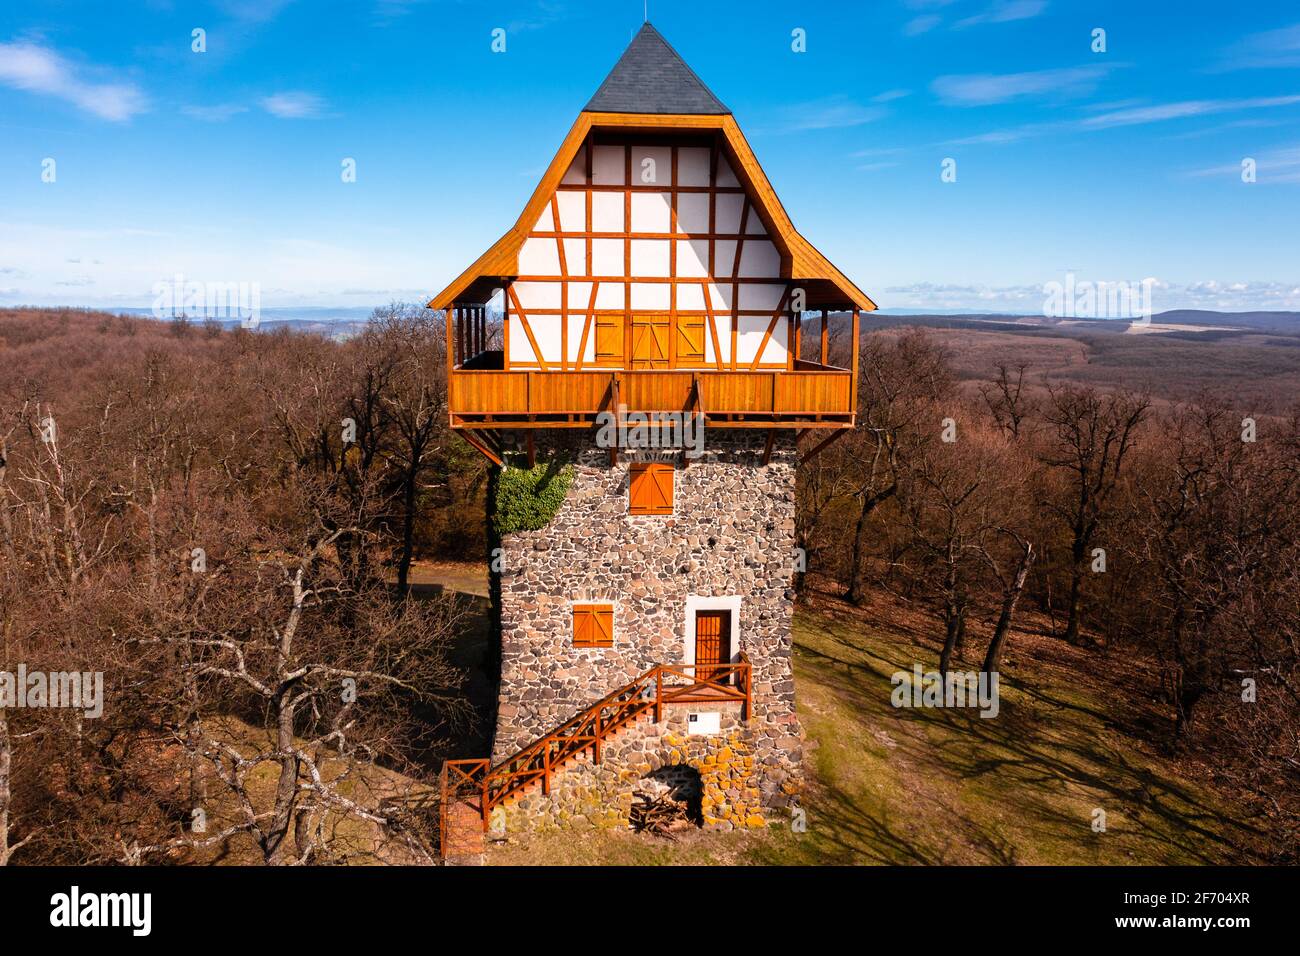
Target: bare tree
{"type": "Point", "coordinates": [1006, 399]}
{"type": "Point", "coordinates": [1089, 437]}
{"type": "Point", "coordinates": [901, 379]}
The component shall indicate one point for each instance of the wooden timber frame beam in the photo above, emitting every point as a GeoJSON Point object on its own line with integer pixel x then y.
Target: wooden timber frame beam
{"type": "Point", "coordinates": [481, 445]}
{"type": "Point", "coordinates": [825, 443]}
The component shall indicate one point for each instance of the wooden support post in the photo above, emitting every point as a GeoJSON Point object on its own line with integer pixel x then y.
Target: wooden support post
{"type": "Point", "coordinates": [613, 407]}
{"type": "Point", "coordinates": [505, 331]}
{"type": "Point", "coordinates": [532, 450]}
{"type": "Point", "coordinates": [546, 768]}
{"type": "Point", "coordinates": [659, 695]}
{"type": "Point", "coordinates": [825, 341]}
{"type": "Point", "coordinates": [857, 348]}
{"type": "Point", "coordinates": [451, 348]}
{"type": "Point", "coordinates": [767, 448]}
{"type": "Point", "coordinates": [596, 746]}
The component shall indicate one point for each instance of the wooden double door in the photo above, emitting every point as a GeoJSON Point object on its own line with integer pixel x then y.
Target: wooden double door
{"type": "Point", "coordinates": [712, 643]}
{"type": "Point", "coordinates": [654, 336]}
{"type": "Point", "coordinates": [650, 341]}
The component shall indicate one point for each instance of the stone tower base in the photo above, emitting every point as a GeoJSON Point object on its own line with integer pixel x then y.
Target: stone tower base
{"type": "Point", "coordinates": [722, 776]}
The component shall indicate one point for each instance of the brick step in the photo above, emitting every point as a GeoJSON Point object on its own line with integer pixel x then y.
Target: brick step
{"type": "Point", "coordinates": [463, 841]}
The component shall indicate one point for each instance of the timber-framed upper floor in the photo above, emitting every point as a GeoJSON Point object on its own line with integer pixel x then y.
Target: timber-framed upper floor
{"type": "Point", "coordinates": [653, 270]}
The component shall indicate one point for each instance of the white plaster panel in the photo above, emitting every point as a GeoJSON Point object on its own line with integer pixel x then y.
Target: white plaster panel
{"type": "Point", "coordinates": [760, 298]}
{"type": "Point", "coordinates": [750, 333]}
{"type": "Point", "coordinates": [651, 212]}
{"type": "Point", "coordinates": [607, 212]}
{"type": "Point", "coordinates": [575, 256]}
{"type": "Point", "coordinates": [692, 258]}
{"type": "Point", "coordinates": [726, 175]}
{"type": "Point", "coordinates": [573, 211]}
{"type": "Point", "coordinates": [608, 166]}
{"type": "Point", "coordinates": [693, 166]}
{"type": "Point", "coordinates": [650, 257]}
{"type": "Point", "coordinates": [545, 222]}
{"type": "Point", "coordinates": [606, 257]}
{"type": "Point", "coordinates": [724, 257]}
{"type": "Point", "coordinates": [759, 259]}
{"type": "Point", "coordinates": [727, 217]}
{"type": "Point", "coordinates": [650, 295]}
{"type": "Point", "coordinates": [538, 295]}
{"type": "Point", "coordinates": [693, 212]}
{"type": "Point", "coordinates": [576, 174]}
{"type": "Point", "coordinates": [539, 257]}
{"type": "Point", "coordinates": [609, 295]}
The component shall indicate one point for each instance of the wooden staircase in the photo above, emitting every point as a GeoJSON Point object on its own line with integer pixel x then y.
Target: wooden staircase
{"type": "Point", "coordinates": [472, 788]}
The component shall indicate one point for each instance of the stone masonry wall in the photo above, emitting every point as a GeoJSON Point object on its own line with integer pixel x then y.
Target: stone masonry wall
{"type": "Point", "coordinates": [731, 534]}
{"type": "Point", "coordinates": [734, 785]}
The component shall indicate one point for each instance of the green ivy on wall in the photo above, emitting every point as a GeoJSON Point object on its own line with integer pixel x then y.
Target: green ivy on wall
{"type": "Point", "coordinates": [528, 498]}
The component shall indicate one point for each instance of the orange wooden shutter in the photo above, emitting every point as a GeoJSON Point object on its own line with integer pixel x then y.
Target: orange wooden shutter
{"type": "Point", "coordinates": [593, 625]}
{"type": "Point", "coordinates": [609, 340]}
{"type": "Point", "coordinates": [650, 489]}
{"type": "Point", "coordinates": [690, 339]}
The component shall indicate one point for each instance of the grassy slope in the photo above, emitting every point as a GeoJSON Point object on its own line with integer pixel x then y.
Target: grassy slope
{"type": "Point", "coordinates": [934, 786]}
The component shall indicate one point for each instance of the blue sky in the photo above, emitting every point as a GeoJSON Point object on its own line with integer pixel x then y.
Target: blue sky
{"type": "Point", "coordinates": [224, 166]}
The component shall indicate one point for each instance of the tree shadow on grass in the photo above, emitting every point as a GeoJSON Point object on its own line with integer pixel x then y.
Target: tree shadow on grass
{"type": "Point", "coordinates": [1046, 768]}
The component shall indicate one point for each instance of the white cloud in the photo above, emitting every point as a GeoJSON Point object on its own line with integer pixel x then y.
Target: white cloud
{"type": "Point", "coordinates": [1180, 110]}
{"type": "Point", "coordinates": [921, 24]}
{"type": "Point", "coordinates": [1270, 49]}
{"type": "Point", "coordinates": [1004, 11]}
{"type": "Point", "coordinates": [253, 11]}
{"type": "Point", "coordinates": [37, 69]}
{"type": "Point", "coordinates": [983, 89]}
{"type": "Point", "coordinates": [293, 105]}
{"type": "Point", "coordinates": [1128, 117]}
{"type": "Point", "coordinates": [831, 113]}
{"type": "Point", "coordinates": [1012, 134]}
{"type": "Point", "coordinates": [214, 114]}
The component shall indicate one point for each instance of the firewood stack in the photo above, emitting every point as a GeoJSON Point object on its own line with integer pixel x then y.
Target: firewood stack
{"type": "Point", "coordinates": [659, 814]}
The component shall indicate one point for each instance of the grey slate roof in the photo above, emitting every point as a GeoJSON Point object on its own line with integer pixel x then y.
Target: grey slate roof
{"type": "Point", "coordinates": [651, 78]}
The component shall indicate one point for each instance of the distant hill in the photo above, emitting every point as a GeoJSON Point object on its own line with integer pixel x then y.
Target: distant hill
{"type": "Point", "coordinates": [1254, 357]}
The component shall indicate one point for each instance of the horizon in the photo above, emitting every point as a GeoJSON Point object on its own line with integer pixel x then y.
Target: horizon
{"type": "Point", "coordinates": [1115, 165]}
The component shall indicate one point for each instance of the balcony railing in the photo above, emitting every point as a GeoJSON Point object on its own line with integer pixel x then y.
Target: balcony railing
{"type": "Point", "coordinates": [810, 396]}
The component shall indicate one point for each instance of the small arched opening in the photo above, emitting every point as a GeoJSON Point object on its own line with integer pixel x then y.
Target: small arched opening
{"type": "Point", "coordinates": [669, 799]}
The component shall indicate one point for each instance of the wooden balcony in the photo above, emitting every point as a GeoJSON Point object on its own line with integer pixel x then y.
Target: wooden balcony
{"type": "Point", "coordinates": [809, 396]}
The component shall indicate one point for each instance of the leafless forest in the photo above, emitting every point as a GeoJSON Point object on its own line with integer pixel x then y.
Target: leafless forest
{"type": "Point", "coordinates": [222, 522]}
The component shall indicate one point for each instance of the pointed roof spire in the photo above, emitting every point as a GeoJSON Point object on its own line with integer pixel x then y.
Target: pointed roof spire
{"type": "Point", "coordinates": [650, 77]}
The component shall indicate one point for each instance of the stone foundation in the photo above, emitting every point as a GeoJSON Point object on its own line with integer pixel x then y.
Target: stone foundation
{"type": "Point", "coordinates": [730, 541]}
{"type": "Point", "coordinates": [734, 787]}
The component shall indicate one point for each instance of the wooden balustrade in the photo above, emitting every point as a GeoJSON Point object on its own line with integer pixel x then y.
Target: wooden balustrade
{"type": "Point", "coordinates": [494, 398]}
{"type": "Point", "coordinates": [484, 786]}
